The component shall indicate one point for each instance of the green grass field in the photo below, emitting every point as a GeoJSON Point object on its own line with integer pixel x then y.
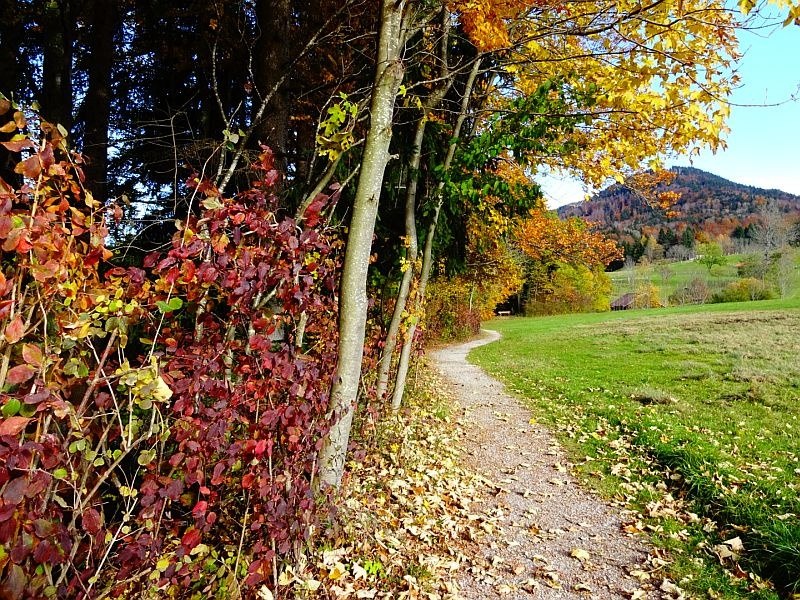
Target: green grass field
{"type": "Point", "coordinates": [689, 415]}
{"type": "Point", "coordinates": [671, 276]}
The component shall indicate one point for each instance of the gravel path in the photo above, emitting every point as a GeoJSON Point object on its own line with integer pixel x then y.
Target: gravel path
{"type": "Point", "coordinates": [549, 538]}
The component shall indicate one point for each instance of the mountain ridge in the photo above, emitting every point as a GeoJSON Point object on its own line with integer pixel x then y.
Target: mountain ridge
{"type": "Point", "coordinates": [708, 203]}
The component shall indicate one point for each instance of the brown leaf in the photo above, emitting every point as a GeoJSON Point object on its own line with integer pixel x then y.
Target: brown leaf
{"type": "Point", "coordinates": [91, 521]}
{"type": "Point", "coordinates": [17, 146]}
{"type": "Point", "coordinates": [32, 355]}
{"type": "Point", "coordinates": [13, 587]}
{"type": "Point", "coordinates": [30, 167]}
{"type": "Point", "coordinates": [14, 491]}
{"type": "Point", "coordinates": [8, 127]}
{"type": "Point", "coordinates": [13, 425]}
{"type": "Point", "coordinates": [15, 330]}
{"type": "Point", "coordinates": [20, 374]}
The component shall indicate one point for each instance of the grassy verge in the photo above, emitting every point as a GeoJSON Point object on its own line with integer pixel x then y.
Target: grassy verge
{"type": "Point", "coordinates": [690, 416]}
{"type": "Point", "coordinates": [671, 276]}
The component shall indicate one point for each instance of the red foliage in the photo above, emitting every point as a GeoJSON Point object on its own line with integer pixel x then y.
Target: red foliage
{"type": "Point", "coordinates": [157, 421]}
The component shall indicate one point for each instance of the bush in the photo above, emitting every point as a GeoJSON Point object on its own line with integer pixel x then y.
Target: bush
{"type": "Point", "coordinates": [752, 266]}
{"type": "Point", "coordinates": [744, 290]}
{"type": "Point", "coordinates": [647, 295]}
{"type": "Point", "coordinates": [696, 292]}
{"type": "Point", "coordinates": [570, 289]}
{"type": "Point", "coordinates": [448, 315]}
{"type": "Point", "coordinates": [160, 424]}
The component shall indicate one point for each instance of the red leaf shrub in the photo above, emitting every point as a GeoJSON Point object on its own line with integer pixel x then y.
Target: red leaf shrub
{"type": "Point", "coordinates": [161, 424]}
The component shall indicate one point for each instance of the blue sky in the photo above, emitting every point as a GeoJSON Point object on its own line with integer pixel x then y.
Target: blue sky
{"type": "Point", "coordinates": [764, 142]}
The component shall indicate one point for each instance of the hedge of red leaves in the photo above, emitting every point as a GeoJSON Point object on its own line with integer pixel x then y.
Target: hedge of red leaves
{"type": "Point", "coordinates": [160, 424]}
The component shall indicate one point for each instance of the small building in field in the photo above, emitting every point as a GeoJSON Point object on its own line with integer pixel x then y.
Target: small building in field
{"type": "Point", "coordinates": [624, 302]}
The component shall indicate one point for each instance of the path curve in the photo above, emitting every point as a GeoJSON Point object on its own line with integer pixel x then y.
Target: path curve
{"type": "Point", "coordinates": [552, 538]}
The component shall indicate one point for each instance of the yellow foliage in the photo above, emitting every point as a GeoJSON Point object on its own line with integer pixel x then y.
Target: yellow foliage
{"type": "Point", "coordinates": [657, 75]}
{"type": "Point", "coordinates": [545, 238]}
{"type": "Point", "coordinates": [647, 295]}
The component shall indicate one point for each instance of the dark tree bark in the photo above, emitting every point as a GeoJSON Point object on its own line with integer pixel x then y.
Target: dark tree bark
{"type": "Point", "coordinates": [272, 55]}
{"type": "Point", "coordinates": [57, 63]}
{"type": "Point", "coordinates": [11, 32]}
{"type": "Point", "coordinates": [97, 104]}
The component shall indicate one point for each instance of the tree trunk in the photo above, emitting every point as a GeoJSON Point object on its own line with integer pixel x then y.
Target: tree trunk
{"type": "Point", "coordinates": [411, 258]}
{"type": "Point", "coordinates": [273, 52]}
{"type": "Point", "coordinates": [57, 64]}
{"type": "Point", "coordinates": [353, 293]}
{"type": "Point", "coordinates": [427, 254]}
{"type": "Point", "coordinates": [410, 213]}
{"type": "Point", "coordinates": [97, 104]}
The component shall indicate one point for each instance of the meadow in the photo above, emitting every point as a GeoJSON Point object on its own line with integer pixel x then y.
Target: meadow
{"type": "Point", "coordinates": [690, 417]}
{"type": "Point", "coordinates": [669, 277]}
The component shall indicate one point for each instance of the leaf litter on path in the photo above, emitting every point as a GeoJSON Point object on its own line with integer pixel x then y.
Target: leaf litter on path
{"type": "Point", "coordinates": [465, 496]}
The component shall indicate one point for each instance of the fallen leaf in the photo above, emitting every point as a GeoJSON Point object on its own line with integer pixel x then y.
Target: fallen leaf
{"type": "Point", "coordinates": [264, 593]}
{"type": "Point", "coordinates": [579, 553]}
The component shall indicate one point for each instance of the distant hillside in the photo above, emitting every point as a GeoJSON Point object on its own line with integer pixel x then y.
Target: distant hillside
{"type": "Point", "coordinates": [708, 203]}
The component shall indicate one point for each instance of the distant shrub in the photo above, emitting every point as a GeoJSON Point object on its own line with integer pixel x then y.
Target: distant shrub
{"type": "Point", "coordinates": [743, 290]}
{"type": "Point", "coordinates": [752, 265]}
{"type": "Point", "coordinates": [448, 314]}
{"type": "Point", "coordinates": [572, 289]}
{"type": "Point", "coordinates": [648, 295]}
{"type": "Point", "coordinates": [696, 292]}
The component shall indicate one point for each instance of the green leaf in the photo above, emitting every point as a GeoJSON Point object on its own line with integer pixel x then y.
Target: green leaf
{"type": "Point", "coordinates": [146, 457]}
{"type": "Point", "coordinates": [11, 407]}
{"type": "Point", "coordinates": [173, 304]}
{"type": "Point", "coordinates": [60, 473]}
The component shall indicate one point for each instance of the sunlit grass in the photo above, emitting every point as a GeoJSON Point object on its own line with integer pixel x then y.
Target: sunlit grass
{"type": "Point", "coordinates": [702, 404]}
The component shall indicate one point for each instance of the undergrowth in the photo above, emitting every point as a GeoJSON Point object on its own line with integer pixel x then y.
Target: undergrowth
{"type": "Point", "coordinates": [405, 519]}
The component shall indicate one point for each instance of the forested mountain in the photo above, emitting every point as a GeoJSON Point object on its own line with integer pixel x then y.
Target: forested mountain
{"type": "Point", "coordinates": [707, 203]}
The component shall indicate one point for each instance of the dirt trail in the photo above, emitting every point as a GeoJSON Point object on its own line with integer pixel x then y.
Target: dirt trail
{"type": "Point", "coordinates": [552, 538]}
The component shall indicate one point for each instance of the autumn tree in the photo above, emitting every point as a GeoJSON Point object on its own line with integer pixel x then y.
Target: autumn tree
{"type": "Point", "coordinates": [353, 294]}
{"type": "Point", "coordinates": [565, 264]}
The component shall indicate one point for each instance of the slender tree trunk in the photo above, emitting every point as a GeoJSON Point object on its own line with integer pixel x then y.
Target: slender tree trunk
{"type": "Point", "coordinates": [97, 104]}
{"type": "Point", "coordinates": [353, 293]}
{"type": "Point", "coordinates": [433, 100]}
{"type": "Point", "coordinates": [411, 258]}
{"type": "Point", "coordinates": [413, 248]}
{"type": "Point", "coordinates": [427, 254]}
